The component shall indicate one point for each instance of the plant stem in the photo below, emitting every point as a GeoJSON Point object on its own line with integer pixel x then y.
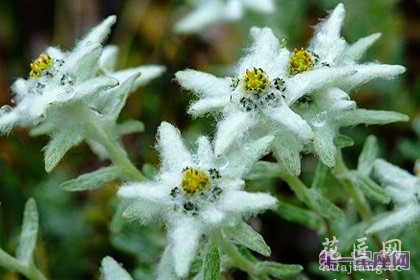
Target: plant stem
{"type": "Point", "coordinates": [116, 152]}
{"type": "Point", "coordinates": [13, 264]}
{"type": "Point", "coordinates": [357, 197]}
{"type": "Point", "coordinates": [238, 260]}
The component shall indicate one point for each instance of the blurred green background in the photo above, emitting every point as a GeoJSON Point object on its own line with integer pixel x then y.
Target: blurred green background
{"type": "Point", "coordinates": [76, 227]}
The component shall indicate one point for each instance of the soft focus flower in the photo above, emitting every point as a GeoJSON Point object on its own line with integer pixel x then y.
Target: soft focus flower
{"type": "Point", "coordinates": [195, 194]}
{"type": "Point", "coordinates": [405, 192]}
{"type": "Point", "coordinates": [212, 12]}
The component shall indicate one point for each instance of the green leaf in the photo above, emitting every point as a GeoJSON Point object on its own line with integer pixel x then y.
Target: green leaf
{"type": "Point", "coordinates": [129, 126]}
{"type": "Point", "coordinates": [368, 187]}
{"type": "Point", "coordinates": [343, 141]}
{"type": "Point", "coordinates": [368, 117]}
{"type": "Point", "coordinates": [211, 263]}
{"type": "Point", "coordinates": [323, 206]}
{"type": "Point", "coordinates": [243, 234]}
{"type": "Point", "coordinates": [58, 146]}
{"type": "Point", "coordinates": [368, 155]}
{"type": "Point", "coordinates": [279, 270]}
{"type": "Point", "coordinates": [111, 270]}
{"type": "Point", "coordinates": [320, 180]}
{"type": "Point", "coordinates": [301, 216]}
{"type": "Point", "coordinates": [28, 236]}
{"type": "Point", "coordinates": [93, 180]}
{"type": "Point", "coordinates": [264, 169]}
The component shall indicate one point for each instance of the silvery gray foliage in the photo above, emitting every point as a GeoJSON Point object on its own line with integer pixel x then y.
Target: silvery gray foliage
{"type": "Point", "coordinates": [404, 189]}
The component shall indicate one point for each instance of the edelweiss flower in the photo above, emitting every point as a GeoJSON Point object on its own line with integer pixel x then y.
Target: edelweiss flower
{"type": "Point", "coordinates": [195, 194]}
{"type": "Point", "coordinates": [255, 102]}
{"type": "Point", "coordinates": [212, 12]}
{"type": "Point", "coordinates": [329, 49]}
{"type": "Point", "coordinates": [69, 95]}
{"type": "Point", "coordinates": [58, 78]}
{"type": "Point", "coordinates": [404, 189]}
{"type": "Point", "coordinates": [327, 111]}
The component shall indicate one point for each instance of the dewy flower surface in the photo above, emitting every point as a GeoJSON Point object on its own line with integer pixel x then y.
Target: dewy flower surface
{"type": "Point", "coordinates": [270, 83]}
{"type": "Point", "coordinates": [405, 192]}
{"type": "Point", "coordinates": [195, 194]}
{"type": "Point", "coordinates": [213, 12]}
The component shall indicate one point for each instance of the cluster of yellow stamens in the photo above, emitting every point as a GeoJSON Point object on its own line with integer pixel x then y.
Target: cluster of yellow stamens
{"type": "Point", "coordinates": [194, 180]}
{"type": "Point", "coordinates": [43, 62]}
{"type": "Point", "coordinates": [301, 61]}
{"type": "Point", "coordinates": [255, 80]}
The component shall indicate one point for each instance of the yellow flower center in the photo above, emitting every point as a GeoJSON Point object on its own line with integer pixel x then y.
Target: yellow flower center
{"type": "Point", "coordinates": [43, 62]}
{"type": "Point", "coordinates": [256, 80]}
{"type": "Point", "coordinates": [301, 61]}
{"type": "Point", "coordinates": [194, 180]}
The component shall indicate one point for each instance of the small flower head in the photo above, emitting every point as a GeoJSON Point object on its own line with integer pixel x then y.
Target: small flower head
{"type": "Point", "coordinates": [300, 61]}
{"type": "Point", "coordinates": [43, 62]}
{"type": "Point", "coordinates": [256, 80]}
{"type": "Point", "coordinates": [194, 180]}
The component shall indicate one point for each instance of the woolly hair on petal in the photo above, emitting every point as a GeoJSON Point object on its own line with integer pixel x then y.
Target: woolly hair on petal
{"type": "Point", "coordinates": [109, 58]}
{"type": "Point", "coordinates": [263, 53]}
{"type": "Point", "coordinates": [356, 51]}
{"type": "Point", "coordinates": [84, 62]}
{"type": "Point", "coordinates": [172, 149]}
{"type": "Point", "coordinates": [230, 129]}
{"type": "Point", "coordinates": [368, 72]}
{"type": "Point", "coordinates": [318, 79]}
{"type": "Point", "coordinates": [203, 84]}
{"type": "Point", "coordinates": [289, 158]}
{"type": "Point", "coordinates": [208, 105]}
{"type": "Point", "coordinates": [8, 119]}
{"type": "Point", "coordinates": [165, 269]}
{"type": "Point", "coordinates": [204, 155]}
{"type": "Point", "coordinates": [148, 73]}
{"type": "Point", "coordinates": [148, 191]}
{"type": "Point", "coordinates": [99, 33]}
{"type": "Point", "coordinates": [323, 144]}
{"type": "Point", "coordinates": [402, 195]}
{"type": "Point", "coordinates": [184, 237]}
{"type": "Point", "coordinates": [391, 175]}
{"type": "Point", "coordinates": [328, 31]}
{"type": "Point", "coordinates": [289, 120]}
{"type": "Point", "coordinates": [397, 219]}
{"type": "Point", "coordinates": [111, 270]}
{"type": "Point", "coordinates": [242, 157]}
{"type": "Point", "coordinates": [246, 203]}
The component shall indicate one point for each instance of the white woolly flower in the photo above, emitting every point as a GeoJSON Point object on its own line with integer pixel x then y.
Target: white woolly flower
{"type": "Point", "coordinates": [212, 12]}
{"type": "Point", "coordinates": [329, 49]}
{"type": "Point", "coordinates": [195, 194]}
{"type": "Point", "coordinates": [57, 79]}
{"type": "Point", "coordinates": [257, 100]}
{"type": "Point", "coordinates": [404, 189]}
{"type": "Point", "coordinates": [70, 95]}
